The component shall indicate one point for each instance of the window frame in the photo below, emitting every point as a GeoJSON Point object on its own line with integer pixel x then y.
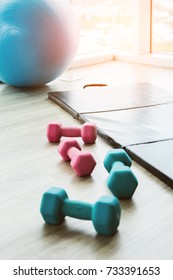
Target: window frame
{"type": "Point", "coordinates": [142, 43]}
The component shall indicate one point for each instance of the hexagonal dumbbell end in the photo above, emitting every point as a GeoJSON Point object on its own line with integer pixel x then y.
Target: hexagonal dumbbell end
{"type": "Point", "coordinates": [88, 132]}
{"type": "Point", "coordinates": [105, 213]}
{"type": "Point", "coordinates": [121, 181]}
{"type": "Point", "coordinates": [83, 163]}
{"type": "Point", "coordinates": [54, 132]}
{"type": "Point", "coordinates": [52, 204]}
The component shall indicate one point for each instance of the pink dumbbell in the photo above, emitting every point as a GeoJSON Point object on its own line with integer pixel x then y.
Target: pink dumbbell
{"type": "Point", "coordinates": [88, 132]}
{"type": "Point", "coordinates": [82, 163]}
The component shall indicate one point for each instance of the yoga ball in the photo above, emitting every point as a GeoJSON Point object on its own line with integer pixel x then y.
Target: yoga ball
{"type": "Point", "coordinates": [38, 40]}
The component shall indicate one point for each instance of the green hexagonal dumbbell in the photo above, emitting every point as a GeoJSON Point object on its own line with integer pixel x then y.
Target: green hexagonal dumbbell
{"type": "Point", "coordinates": [105, 213]}
{"type": "Point", "coordinates": [121, 181]}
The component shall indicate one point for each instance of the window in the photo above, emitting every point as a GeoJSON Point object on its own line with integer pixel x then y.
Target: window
{"type": "Point", "coordinates": [105, 24]}
{"type": "Point", "coordinates": [123, 24]}
{"type": "Point", "coordinates": [131, 30]}
{"type": "Point", "coordinates": [162, 26]}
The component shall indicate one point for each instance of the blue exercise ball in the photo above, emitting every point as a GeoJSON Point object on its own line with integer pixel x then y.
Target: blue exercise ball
{"type": "Point", "coordinates": [38, 40]}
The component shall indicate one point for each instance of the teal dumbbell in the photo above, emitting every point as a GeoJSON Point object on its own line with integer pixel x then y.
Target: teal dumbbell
{"type": "Point", "coordinates": [121, 180]}
{"type": "Point", "coordinates": [105, 213]}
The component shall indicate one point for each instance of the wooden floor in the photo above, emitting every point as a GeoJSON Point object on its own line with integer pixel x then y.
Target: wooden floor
{"type": "Point", "coordinates": [29, 165]}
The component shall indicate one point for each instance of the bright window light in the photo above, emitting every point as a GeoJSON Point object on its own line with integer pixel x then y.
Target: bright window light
{"type": "Point", "coordinates": [105, 24]}
{"type": "Point", "coordinates": [129, 29]}
{"type": "Point", "coordinates": [162, 26]}
{"type": "Point", "coordinates": [123, 24]}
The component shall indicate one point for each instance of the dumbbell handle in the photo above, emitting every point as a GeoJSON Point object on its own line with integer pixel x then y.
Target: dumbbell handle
{"type": "Point", "coordinates": [77, 209]}
{"type": "Point", "coordinates": [118, 164]}
{"type": "Point", "coordinates": [73, 151]}
{"type": "Point", "coordinates": [71, 131]}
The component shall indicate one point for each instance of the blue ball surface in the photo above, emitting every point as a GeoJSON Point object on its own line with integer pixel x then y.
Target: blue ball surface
{"type": "Point", "coordinates": [38, 40]}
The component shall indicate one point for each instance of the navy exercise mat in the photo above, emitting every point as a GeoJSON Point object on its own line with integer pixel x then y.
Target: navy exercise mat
{"type": "Point", "coordinates": [142, 132]}
{"type": "Point", "coordinates": [135, 126]}
{"type": "Point", "coordinates": [134, 117]}
{"type": "Point", "coordinates": [108, 98]}
{"type": "Point", "coordinates": [156, 157]}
